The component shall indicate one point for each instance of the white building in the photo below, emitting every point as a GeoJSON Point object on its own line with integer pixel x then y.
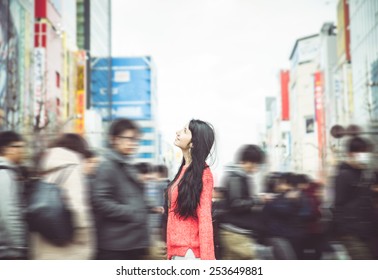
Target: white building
{"type": "Point", "coordinates": [304, 145]}
{"type": "Point", "coordinates": [364, 56]}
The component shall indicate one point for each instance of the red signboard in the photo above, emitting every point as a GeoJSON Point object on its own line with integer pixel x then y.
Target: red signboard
{"type": "Point", "coordinates": [285, 78]}
{"type": "Point", "coordinates": [40, 8]}
{"type": "Point", "coordinates": [319, 111]}
{"type": "Point", "coordinates": [347, 29]}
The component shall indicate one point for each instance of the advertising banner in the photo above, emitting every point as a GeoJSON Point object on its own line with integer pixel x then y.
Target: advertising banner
{"type": "Point", "coordinates": [39, 87]}
{"type": "Point", "coordinates": [130, 86]}
{"type": "Point", "coordinates": [285, 78]}
{"type": "Point", "coordinates": [319, 111]}
{"type": "Point", "coordinates": [80, 92]}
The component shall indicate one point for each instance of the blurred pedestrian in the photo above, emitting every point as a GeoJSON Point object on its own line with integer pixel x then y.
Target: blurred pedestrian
{"type": "Point", "coordinates": [281, 216]}
{"type": "Point", "coordinates": [118, 201]}
{"type": "Point", "coordinates": [355, 215]}
{"type": "Point", "coordinates": [13, 240]}
{"type": "Point", "coordinates": [189, 228]}
{"type": "Point", "coordinates": [154, 192]}
{"type": "Point", "coordinates": [65, 158]}
{"type": "Point", "coordinates": [240, 224]}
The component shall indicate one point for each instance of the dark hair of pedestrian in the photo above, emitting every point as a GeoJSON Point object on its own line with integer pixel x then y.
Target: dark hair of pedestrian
{"type": "Point", "coordinates": [359, 145]}
{"type": "Point", "coordinates": [162, 170]}
{"type": "Point", "coordinates": [271, 181]}
{"type": "Point", "coordinates": [251, 153]}
{"type": "Point", "coordinates": [90, 154]}
{"type": "Point", "coordinates": [119, 126]}
{"type": "Point", "coordinates": [73, 142]}
{"type": "Point", "coordinates": [190, 186]}
{"type": "Point", "coordinates": [144, 167]}
{"type": "Point", "coordinates": [301, 179]}
{"type": "Point", "coordinates": [7, 138]}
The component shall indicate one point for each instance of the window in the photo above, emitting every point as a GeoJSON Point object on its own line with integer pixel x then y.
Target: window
{"type": "Point", "coordinates": [310, 124]}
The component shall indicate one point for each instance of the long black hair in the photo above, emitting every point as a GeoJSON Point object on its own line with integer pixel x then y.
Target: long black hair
{"type": "Point", "coordinates": [190, 186]}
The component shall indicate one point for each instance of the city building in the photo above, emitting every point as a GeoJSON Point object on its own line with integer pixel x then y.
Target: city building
{"type": "Point", "coordinates": [16, 64]}
{"type": "Point", "coordinates": [304, 156]}
{"type": "Point", "coordinates": [364, 57]}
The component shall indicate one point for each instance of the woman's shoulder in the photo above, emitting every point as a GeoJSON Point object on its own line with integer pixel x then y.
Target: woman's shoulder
{"type": "Point", "coordinates": [55, 157]}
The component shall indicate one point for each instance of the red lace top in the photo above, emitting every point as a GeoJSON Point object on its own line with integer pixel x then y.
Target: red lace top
{"type": "Point", "coordinates": [191, 233]}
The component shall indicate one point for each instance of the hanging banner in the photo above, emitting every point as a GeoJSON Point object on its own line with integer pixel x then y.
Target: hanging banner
{"type": "Point", "coordinates": [319, 111]}
{"type": "Point", "coordinates": [285, 110]}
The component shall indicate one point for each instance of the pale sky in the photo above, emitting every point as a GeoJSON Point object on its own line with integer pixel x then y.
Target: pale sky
{"type": "Point", "coordinates": [216, 60]}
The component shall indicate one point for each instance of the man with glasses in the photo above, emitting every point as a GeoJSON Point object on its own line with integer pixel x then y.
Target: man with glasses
{"type": "Point", "coordinates": [12, 223]}
{"type": "Point", "coordinates": [118, 202]}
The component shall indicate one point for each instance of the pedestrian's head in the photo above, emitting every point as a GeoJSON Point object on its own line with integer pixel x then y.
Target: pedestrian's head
{"type": "Point", "coordinates": [12, 146]}
{"type": "Point", "coordinates": [359, 151]}
{"type": "Point", "coordinates": [285, 183]}
{"type": "Point", "coordinates": [250, 157]}
{"type": "Point", "coordinates": [271, 181]}
{"type": "Point", "coordinates": [73, 142]}
{"type": "Point", "coordinates": [145, 171]}
{"type": "Point", "coordinates": [124, 136]}
{"type": "Point", "coordinates": [161, 171]}
{"type": "Point", "coordinates": [197, 138]}
{"type": "Point", "coordinates": [301, 181]}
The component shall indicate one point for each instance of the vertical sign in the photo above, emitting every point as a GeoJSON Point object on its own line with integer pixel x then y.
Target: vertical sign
{"type": "Point", "coordinates": [80, 92]}
{"type": "Point", "coordinates": [39, 87]}
{"type": "Point", "coordinates": [285, 78]}
{"type": "Point", "coordinates": [319, 111]}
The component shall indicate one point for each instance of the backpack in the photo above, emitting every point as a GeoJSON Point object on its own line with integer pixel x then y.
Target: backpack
{"type": "Point", "coordinates": [47, 212]}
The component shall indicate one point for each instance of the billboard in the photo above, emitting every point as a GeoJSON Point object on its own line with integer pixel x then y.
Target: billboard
{"type": "Point", "coordinates": [343, 30]}
{"type": "Point", "coordinates": [130, 95]}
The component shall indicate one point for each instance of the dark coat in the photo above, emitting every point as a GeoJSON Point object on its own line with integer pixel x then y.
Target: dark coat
{"type": "Point", "coordinates": [284, 217]}
{"type": "Point", "coordinates": [239, 201]}
{"type": "Point", "coordinates": [353, 206]}
{"type": "Point", "coordinates": [119, 207]}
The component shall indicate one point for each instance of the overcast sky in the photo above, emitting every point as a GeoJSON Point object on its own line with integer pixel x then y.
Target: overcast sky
{"type": "Point", "coordinates": [216, 60]}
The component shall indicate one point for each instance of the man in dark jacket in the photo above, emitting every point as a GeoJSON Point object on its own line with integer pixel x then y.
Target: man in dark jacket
{"type": "Point", "coordinates": [119, 207]}
{"type": "Point", "coordinates": [13, 242]}
{"type": "Point", "coordinates": [240, 223]}
{"type": "Point", "coordinates": [355, 191]}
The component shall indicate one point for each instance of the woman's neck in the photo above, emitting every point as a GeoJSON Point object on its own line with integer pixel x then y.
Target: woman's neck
{"type": "Point", "coordinates": [187, 158]}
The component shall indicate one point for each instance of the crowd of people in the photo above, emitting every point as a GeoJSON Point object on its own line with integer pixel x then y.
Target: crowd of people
{"type": "Point", "coordinates": [123, 210]}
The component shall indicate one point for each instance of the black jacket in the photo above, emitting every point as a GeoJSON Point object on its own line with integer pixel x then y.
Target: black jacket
{"type": "Point", "coordinates": [353, 205]}
{"type": "Point", "coordinates": [239, 201]}
{"type": "Point", "coordinates": [118, 205]}
{"type": "Point", "coordinates": [287, 217]}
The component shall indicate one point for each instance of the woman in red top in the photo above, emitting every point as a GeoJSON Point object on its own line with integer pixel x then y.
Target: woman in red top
{"type": "Point", "coordinates": [189, 228]}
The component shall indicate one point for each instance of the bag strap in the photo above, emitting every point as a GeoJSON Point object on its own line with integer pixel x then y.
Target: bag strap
{"type": "Point", "coordinates": [63, 176]}
{"type": "Point", "coordinates": [52, 170]}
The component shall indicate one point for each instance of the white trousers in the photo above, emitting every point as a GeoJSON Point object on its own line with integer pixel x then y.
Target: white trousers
{"type": "Point", "coordinates": [188, 256]}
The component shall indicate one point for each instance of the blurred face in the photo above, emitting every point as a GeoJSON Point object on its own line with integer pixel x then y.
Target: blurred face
{"type": "Point", "coordinates": [127, 142]}
{"type": "Point", "coordinates": [15, 152]}
{"type": "Point", "coordinates": [283, 187]}
{"type": "Point", "coordinates": [183, 138]}
{"type": "Point", "coordinates": [361, 160]}
{"type": "Point", "coordinates": [249, 167]}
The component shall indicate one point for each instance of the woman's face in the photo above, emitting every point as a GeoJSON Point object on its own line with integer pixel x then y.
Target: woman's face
{"type": "Point", "coordinates": [183, 138]}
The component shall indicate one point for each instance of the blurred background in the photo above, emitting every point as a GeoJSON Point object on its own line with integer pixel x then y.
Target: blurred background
{"type": "Point", "coordinates": [279, 74]}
